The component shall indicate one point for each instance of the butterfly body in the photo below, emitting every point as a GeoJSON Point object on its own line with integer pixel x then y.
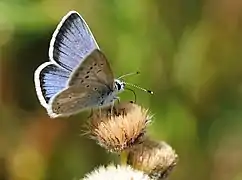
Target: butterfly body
{"type": "Point", "coordinates": [78, 76]}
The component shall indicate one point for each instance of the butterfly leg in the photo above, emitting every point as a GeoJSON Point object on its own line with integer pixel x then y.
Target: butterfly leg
{"type": "Point", "coordinates": [90, 114]}
{"type": "Point", "coordinates": [112, 106]}
{"type": "Point", "coordinates": [100, 111]}
{"type": "Point", "coordinates": [118, 99]}
{"type": "Point", "coordinates": [113, 109]}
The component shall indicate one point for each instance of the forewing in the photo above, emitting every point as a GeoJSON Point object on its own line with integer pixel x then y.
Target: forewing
{"type": "Point", "coordinates": [71, 42]}
{"type": "Point", "coordinates": [94, 69]}
{"type": "Point", "coordinates": [75, 99]}
{"type": "Point", "coordinates": [49, 80]}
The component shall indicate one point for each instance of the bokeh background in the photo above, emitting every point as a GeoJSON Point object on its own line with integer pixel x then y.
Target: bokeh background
{"type": "Point", "coordinates": [189, 53]}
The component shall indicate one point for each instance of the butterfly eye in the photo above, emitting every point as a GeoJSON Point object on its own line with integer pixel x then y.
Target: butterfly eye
{"type": "Point", "coordinates": [118, 86]}
{"type": "Point", "coordinates": [91, 68]}
{"type": "Point", "coordinates": [95, 89]}
{"type": "Point", "coordinates": [86, 77]}
{"type": "Point", "coordinates": [88, 72]}
{"type": "Point", "coordinates": [94, 64]}
{"type": "Point", "coordinates": [87, 86]}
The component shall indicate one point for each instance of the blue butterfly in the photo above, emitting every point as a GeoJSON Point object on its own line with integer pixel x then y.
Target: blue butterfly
{"type": "Point", "coordinates": [78, 75]}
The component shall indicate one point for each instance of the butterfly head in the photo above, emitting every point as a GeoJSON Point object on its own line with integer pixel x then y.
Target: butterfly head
{"type": "Point", "coordinates": [119, 85]}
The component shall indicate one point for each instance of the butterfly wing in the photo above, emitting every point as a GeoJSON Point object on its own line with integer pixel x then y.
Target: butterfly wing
{"type": "Point", "coordinates": [59, 82]}
{"type": "Point", "coordinates": [95, 69]}
{"type": "Point", "coordinates": [49, 80]}
{"type": "Point", "coordinates": [77, 98]}
{"type": "Point", "coordinates": [90, 85]}
{"type": "Point", "coordinates": [71, 42]}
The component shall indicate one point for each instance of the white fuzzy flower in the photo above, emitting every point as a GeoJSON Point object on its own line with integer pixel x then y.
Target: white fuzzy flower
{"type": "Point", "coordinates": [113, 172]}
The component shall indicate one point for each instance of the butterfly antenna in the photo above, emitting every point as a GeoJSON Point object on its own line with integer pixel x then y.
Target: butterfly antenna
{"type": "Point", "coordinates": [129, 74]}
{"type": "Point", "coordinates": [143, 89]}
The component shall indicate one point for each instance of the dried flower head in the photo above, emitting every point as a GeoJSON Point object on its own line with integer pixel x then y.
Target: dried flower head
{"type": "Point", "coordinates": [157, 159]}
{"type": "Point", "coordinates": [120, 127]}
{"type": "Point", "coordinates": [113, 172]}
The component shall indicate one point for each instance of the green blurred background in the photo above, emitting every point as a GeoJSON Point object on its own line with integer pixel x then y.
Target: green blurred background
{"type": "Point", "coordinates": [189, 53]}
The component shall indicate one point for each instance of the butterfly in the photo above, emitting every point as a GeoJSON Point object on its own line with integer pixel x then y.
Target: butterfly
{"type": "Point", "coordinates": [78, 76]}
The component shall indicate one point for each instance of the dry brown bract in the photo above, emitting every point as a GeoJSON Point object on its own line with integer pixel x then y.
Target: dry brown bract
{"type": "Point", "coordinates": [120, 127]}
{"type": "Point", "coordinates": [157, 159]}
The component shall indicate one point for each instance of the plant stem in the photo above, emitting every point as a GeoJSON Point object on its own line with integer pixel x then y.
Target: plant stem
{"type": "Point", "coordinates": [123, 158]}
